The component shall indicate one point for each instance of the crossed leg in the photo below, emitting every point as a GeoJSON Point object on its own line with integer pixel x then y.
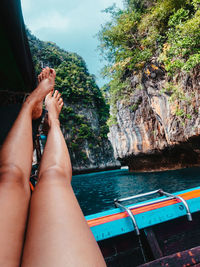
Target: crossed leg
{"type": "Point", "coordinates": [15, 166]}
{"type": "Point", "coordinates": [57, 234]}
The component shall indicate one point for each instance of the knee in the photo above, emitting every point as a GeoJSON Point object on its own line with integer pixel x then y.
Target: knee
{"type": "Point", "coordinates": [10, 173]}
{"type": "Point", "coordinates": [55, 174]}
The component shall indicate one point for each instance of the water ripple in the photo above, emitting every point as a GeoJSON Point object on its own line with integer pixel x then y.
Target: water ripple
{"type": "Point", "coordinates": [96, 192]}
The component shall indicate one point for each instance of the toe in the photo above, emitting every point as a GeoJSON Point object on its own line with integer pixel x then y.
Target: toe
{"type": "Point", "coordinates": [58, 96]}
{"type": "Point", "coordinates": [52, 73]}
{"type": "Point", "coordinates": [60, 101]}
{"type": "Point", "coordinates": [55, 94]}
{"type": "Point", "coordinates": [61, 105]}
{"type": "Point", "coordinates": [42, 74]}
{"type": "Point", "coordinates": [47, 71]}
{"type": "Point", "coordinates": [50, 93]}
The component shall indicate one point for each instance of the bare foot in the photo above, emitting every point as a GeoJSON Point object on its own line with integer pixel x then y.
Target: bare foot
{"type": "Point", "coordinates": [54, 104]}
{"type": "Point", "coordinates": [46, 84]}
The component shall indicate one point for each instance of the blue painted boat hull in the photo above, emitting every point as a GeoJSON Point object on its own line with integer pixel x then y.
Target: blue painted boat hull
{"type": "Point", "coordinates": [163, 232]}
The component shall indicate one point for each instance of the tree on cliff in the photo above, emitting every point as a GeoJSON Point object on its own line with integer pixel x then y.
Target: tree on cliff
{"type": "Point", "coordinates": [167, 30]}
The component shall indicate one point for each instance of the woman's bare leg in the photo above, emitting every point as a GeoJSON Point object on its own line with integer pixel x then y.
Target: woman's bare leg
{"type": "Point", "coordinates": [15, 166]}
{"type": "Point", "coordinates": [57, 234]}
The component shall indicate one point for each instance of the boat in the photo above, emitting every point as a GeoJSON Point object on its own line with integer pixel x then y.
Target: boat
{"type": "Point", "coordinates": [17, 73]}
{"type": "Point", "coordinates": [163, 231]}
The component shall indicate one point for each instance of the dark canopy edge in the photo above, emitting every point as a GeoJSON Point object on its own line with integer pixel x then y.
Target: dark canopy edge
{"type": "Point", "coordinates": [13, 28]}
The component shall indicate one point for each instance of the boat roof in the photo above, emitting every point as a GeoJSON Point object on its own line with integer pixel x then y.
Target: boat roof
{"type": "Point", "coordinates": [116, 222]}
{"type": "Point", "coordinates": [17, 74]}
{"type": "Point", "coordinates": [16, 67]}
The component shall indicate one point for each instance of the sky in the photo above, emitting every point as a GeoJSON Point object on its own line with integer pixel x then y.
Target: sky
{"type": "Point", "coordinates": [72, 25]}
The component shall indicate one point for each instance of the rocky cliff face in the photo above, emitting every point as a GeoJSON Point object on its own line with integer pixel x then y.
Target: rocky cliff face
{"type": "Point", "coordinates": [159, 129]}
{"type": "Point", "coordinates": [154, 56]}
{"type": "Point", "coordinates": [89, 151]}
{"type": "Point", "coordinates": [84, 114]}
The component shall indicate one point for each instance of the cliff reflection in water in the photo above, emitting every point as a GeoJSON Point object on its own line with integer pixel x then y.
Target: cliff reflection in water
{"type": "Point", "coordinates": [96, 191]}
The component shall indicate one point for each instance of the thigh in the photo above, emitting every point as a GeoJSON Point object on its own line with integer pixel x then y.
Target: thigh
{"type": "Point", "coordinates": [58, 234]}
{"type": "Point", "coordinates": [14, 203]}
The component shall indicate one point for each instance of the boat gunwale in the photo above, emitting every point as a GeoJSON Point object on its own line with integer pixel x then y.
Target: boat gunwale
{"type": "Point", "coordinates": [115, 211]}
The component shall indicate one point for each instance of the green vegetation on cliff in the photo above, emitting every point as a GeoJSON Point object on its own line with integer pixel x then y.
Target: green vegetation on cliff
{"type": "Point", "coordinates": [82, 98]}
{"type": "Point", "coordinates": [166, 30]}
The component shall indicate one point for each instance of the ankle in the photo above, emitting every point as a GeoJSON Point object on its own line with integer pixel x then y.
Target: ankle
{"type": "Point", "coordinates": [28, 106]}
{"type": "Point", "coordinates": [53, 121]}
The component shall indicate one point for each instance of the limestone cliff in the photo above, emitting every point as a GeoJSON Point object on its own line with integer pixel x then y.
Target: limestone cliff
{"type": "Point", "coordinates": [84, 114]}
{"type": "Point", "coordinates": [160, 127]}
{"type": "Point", "coordinates": [89, 150]}
{"type": "Point", "coordinates": [153, 48]}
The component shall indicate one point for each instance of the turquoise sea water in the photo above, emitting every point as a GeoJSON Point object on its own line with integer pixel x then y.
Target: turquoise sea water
{"type": "Point", "coordinates": [96, 191]}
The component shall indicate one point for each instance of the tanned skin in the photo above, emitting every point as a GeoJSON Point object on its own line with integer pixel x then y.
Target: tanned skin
{"type": "Point", "coordinates": [57, 233]}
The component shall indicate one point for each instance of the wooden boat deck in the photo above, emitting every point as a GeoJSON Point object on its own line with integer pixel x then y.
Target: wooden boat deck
{"type": "Point", "coordinates": [190, 257]}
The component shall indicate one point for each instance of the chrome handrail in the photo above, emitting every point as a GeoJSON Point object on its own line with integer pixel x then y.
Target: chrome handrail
{"type": "Point", "coordinates": [140, 195]}
{"type": "Point", "coordinates": [131, 216]}
{"type": "Point", "coordinates": [148, 203]}
{"type": "Point", "coordinates": [189, 215]}
{"type": "Point", "coordinates": [162, 193]}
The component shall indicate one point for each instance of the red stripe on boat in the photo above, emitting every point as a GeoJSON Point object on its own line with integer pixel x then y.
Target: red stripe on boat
{"type": "Point", "coordinates": [121, 215]}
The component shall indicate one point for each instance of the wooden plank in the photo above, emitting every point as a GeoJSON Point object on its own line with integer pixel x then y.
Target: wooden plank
{"type": "Point", "coordinates": [178, 235]}
{"type": "Point", "coordinates": [153, 243]}
{"type": "Point", "coordinates": [185, 258]}
{"type": "Point", "coordinates": [122, 251]}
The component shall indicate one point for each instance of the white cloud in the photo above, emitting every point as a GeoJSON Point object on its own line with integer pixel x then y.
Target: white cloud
{"type": "Point", "coordinates": [51, 21]}
{"type": "Point", "coordinates": [70, 24]}
{"type": "Point", "coordinates": [62, 15]}
{"type": "Point", "coordinates": [88, 16]}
